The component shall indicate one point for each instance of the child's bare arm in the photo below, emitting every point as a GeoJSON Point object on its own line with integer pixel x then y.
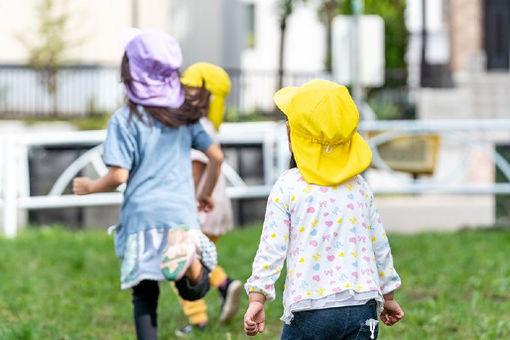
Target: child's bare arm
{"type": "Point", "coordinates": [212, 172]}
{"type": "Point", "coordinates": [197, 169]}
{"type": "Point", "coordinates": [109, 182]}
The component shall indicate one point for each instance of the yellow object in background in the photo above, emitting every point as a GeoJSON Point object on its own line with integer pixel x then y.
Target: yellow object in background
{"type": "Point", "coordinates": [216, 81]}
{"type": "Point", "coordinates": [416, 155]}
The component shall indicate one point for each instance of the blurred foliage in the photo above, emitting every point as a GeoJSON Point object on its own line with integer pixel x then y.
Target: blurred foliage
{"type": "Point", "coordinates": [392, 101]}
{"type": "Point", "coordinates": [284, 8]}
{"type": "Point", "coordinates": [47, 48]}
{"type": "Point", "coordinates": [97, 121]}
{"type": "Point", "coordinates": [234, 115]}
{"type": "Point", "coordinates": [392, 11]}
{"type": "Point", "coordinates": [328, 9]}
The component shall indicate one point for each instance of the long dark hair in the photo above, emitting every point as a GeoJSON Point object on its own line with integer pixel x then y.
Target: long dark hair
{"type": "Point", "coordinates": [195, 106]}
{"type": "Point", "coordinates": [292, 162]}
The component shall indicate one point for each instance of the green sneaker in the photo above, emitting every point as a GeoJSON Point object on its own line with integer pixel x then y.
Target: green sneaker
{"type": "Point", "coordinates": [179, 255]}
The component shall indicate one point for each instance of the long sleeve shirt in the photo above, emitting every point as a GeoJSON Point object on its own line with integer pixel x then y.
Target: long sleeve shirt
{"type": "Point", "coordinates": [332, 238]}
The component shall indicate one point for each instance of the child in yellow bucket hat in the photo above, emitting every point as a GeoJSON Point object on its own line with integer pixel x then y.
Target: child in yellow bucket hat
{"type": "Point", "coordinates": [321, 218]}
{"type": "Point", "coordinates": [216, 81]}
{"type": "Point", "coordinates": [220, 220]}
{"type": "Point", "coordinates": [323, 120]}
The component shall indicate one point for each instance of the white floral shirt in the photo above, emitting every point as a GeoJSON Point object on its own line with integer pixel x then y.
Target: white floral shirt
{"type": "Point", "coordinates": [333, 241]}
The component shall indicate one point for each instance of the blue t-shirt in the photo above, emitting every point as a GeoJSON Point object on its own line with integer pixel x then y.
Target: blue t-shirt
{"type": "Point", "coordinates": [160, 191]}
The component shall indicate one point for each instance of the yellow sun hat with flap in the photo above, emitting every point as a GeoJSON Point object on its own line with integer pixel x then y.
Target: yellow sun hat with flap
{"type": "Point", "coordinates": [217, 82]}
{"type": "Point", "coordinates": [323, 123]}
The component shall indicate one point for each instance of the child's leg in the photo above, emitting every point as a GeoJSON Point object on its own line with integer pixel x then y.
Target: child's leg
{"type": "Point", "coordinates": [145, 304]}
{"type": "Point", "coordinates": [218, 275]}
{"type": "Point", "coordinates": [190, 288]}
{"type": "Point", "coordinates": [213, 238]}
{"type": "Point", "coordinates": [196, 311]}
{"type": "Point", "coordinates": [181, 264]}
{"type": "Point", "coordinates": [194, 272]}
{"type": "Point", "coordinates": [230, 290]}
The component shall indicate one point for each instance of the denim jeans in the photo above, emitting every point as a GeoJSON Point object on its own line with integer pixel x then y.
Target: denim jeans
{"type": "Point", "coordinates": [333, 323]}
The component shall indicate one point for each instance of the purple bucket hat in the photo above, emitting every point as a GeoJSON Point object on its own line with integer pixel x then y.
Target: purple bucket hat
{"type": "Point", "coordinates": [154, 58]}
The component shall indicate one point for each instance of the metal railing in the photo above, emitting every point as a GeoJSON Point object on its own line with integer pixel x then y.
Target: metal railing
{"type": "Point", "coordinates": [480, 135]}
{"type": "Point", "coordinates": [91, 89]}
{"type": "Point", "coordinates": [81, 90]}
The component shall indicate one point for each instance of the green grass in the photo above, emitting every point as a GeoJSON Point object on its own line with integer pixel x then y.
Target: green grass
{"type": "Point", "coordinates": [59, 284]}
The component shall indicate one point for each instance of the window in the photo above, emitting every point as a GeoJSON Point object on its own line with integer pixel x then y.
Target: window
{"type": "Point", "coordinates": [249, 39]}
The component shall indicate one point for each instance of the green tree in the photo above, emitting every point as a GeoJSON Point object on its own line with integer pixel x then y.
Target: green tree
{"type": "Point", "coordinates": [47, 48]}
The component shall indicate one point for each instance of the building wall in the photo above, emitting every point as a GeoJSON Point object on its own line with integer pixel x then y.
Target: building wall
{"type": "Point", "coordinates": [466, 31]}
{"type": "Point", "coordinates": [209, 31]}
{"type": "Point", "coordinates": [212, 30]}
{"type": "Point", "coordinates": [94, 27]}
{"type": "Point", "coordinates": [305, 39]}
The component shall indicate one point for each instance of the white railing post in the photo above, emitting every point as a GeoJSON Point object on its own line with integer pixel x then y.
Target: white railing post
{"type": "Point", "coordinates": [10, 201]}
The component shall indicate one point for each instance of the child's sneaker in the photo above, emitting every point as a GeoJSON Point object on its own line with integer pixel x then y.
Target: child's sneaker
{"type": "Point", "coordinates": [179, 255]}
{"type": "Point", "coordinates": [230, 293]}
{"type": "Point", "coordinates": [190, 329]}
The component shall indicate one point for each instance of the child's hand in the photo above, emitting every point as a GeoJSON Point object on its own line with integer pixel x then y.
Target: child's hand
{"type": "Point", "coordinates": [392, 313]}
{"type": "Point", "coordinates": [254, 319]}
{"type": "Point", "coordinates": [205, 203]}
{"type": "Point", "coordinates": [81, 185]}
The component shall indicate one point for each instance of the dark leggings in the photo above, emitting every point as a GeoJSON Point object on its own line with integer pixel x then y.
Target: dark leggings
{"type": "Point", "coordinates": [145, 302]}
{"type": "Point", "coordinates": [145, 305]}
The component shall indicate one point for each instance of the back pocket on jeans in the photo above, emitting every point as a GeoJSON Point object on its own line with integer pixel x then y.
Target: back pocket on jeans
{"type": "Point", "coordinates": [370, 330]}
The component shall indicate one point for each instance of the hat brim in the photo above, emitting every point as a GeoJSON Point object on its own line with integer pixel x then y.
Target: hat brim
{"type": "Point", "coordinates": [323, 165]}
{"type": "Point", "coordinates": [283, 97]}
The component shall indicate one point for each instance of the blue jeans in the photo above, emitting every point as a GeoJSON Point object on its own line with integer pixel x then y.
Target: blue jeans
{"type": "Point", "coordinates": [333, 323]}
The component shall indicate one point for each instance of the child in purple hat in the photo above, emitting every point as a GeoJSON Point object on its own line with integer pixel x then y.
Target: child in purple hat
{"type": "Point", "coordinates": [148, 147]}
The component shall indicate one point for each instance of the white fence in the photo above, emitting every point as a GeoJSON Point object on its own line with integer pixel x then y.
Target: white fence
{"type": "Point", "coordinates": [14, 171]}
{"type": "Point", "coordinates": [480, 135]}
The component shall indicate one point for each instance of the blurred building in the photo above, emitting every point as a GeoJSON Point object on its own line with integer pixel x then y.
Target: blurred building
{"type": "Point", "coordinates": [458, 63]}
{"type": "Point", "coordinates": [242, 36]}
{"type": "Point", "coordinates": [93, 27]}
{"type": "Point", "coordinates": [462, 69]}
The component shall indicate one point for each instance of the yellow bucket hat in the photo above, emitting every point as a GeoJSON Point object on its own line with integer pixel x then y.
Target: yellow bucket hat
{"type": "Point", "coordinates": [323, 123]}
{"type": "Point", "coordinates": [216, 81]}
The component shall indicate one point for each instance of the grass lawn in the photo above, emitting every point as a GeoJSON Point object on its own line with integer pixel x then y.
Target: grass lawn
{"type": "Point", "coordinates": [58, 284]}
